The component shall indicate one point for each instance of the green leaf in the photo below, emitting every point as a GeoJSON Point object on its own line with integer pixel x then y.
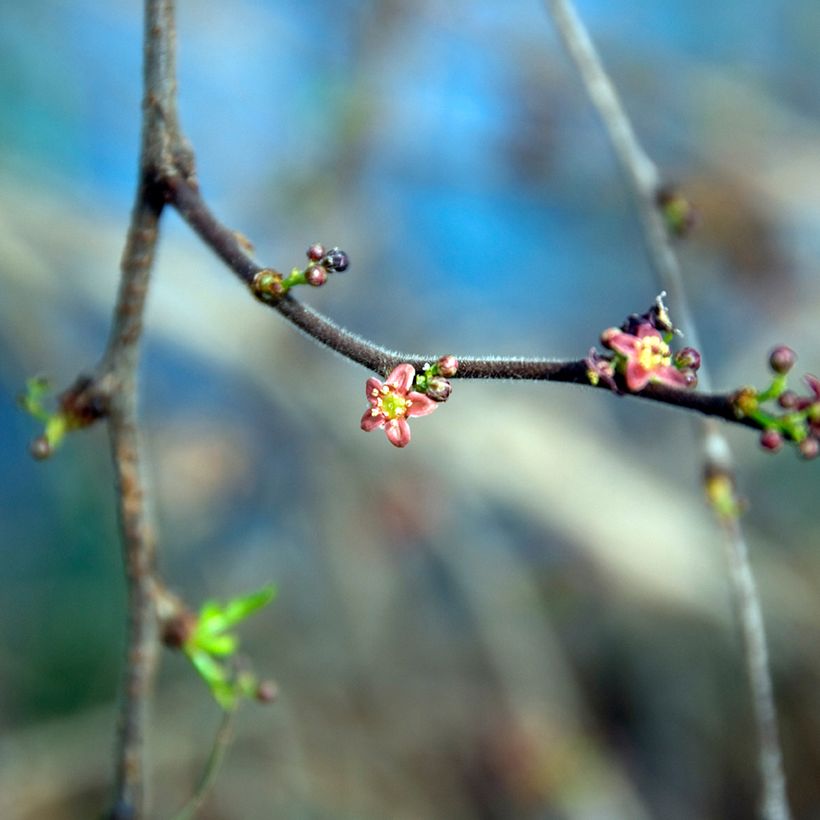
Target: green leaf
{"type": "Point", "coordinates": [240, 608]}
{"type": "Point", "coordinates": [214, 618]}
{"type": "Point", "coordinates": [211, 671]}
{"type": "Point", "coordinates": [220, 645]}
{"type": "Point", "coordinates": [211, 619]}
{"type": "Point", "coordinates": [32, 400]}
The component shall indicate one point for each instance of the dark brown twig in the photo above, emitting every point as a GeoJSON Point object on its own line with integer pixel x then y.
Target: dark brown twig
{"type": "Point", "coordinates": [192, 207]}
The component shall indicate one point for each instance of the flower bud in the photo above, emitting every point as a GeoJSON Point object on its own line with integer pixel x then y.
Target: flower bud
{"type": "Point", "coordinates": [782, 359]}
{"type": "Point", "coordinates": [687, 358]}
{"type": "Point", "coordinates": [267, 285]}
{"type": "Point", "coordinates": [447, 365]}
{"type": "Point", "coordinates": [438, 388]}
{"type": "Point", "coordinates": [315, 275]}
{"type": "Point", "coordinates": [267, 691]}
{"type": "Point", "coordinates": [771, 440]}
{"type": "Point", "coordinates": [691, 379]}
{"type": "Point", "coordinates": [336, 260]}
{"type": "Point", "coordinates": [809, 447]}
{"type": "Point", "coordinates": [678, 212]}
{"type": "Point", "coordinates": [745, 401]}
{"type": "Point", "coordinates": [315, 252]}
{"type": "Point", "coordinates": [40, 448]}
{"type": "Point", "coordinates": [788, 400]}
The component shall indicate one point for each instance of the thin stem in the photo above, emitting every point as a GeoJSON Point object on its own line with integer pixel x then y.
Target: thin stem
{"type": "Point", "coordinates": [222, 742]}
{"type": "Point", "coordinates": [644, 180]}
{"type": "Point", "coordinates": [116, 381]}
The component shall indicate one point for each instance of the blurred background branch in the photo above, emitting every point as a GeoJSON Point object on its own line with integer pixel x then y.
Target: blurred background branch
{"type": "Point", "coordinates": [718, 468]}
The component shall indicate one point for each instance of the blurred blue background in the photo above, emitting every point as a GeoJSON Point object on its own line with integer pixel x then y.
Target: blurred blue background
{"type": "Point", "coordinates": [523, 615]}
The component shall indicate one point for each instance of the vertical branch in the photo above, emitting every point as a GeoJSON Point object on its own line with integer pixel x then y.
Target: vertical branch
{"type": "Point", "coordinates": [644, 180]}
{"type": "Point", "coordinates": [775, 804]}
{"type": "Point", "coordinates": [137, 533]}
{"type": "Point", "coordinates": [117, 380]}
{"type": "Point", "coordinates": [639, 170]}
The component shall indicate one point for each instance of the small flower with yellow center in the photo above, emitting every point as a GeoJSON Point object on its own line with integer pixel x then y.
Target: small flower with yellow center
{"type": "Point", "coordinates": [393, 402]}
{"type": "Point", "coordinates": [644, 357]}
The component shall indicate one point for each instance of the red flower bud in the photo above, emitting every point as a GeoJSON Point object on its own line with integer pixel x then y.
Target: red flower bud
{"type": "Point", "coordinates": [315, 252]}
{"type": "Point", "coordinates": [771, 440]}
{"type": "Point", "coordinates": [438, 388]}
{"type": "Point", "coordinates": [687, 358]}
{"type": "Point", "coordinates": [316, 275]}
{"type": "Point", "coordinates": [447, 365]}
{"type": "Point", "coordinates": [782, 359]}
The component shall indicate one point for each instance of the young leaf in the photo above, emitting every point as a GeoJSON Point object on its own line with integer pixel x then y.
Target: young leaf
{"type": "Point", "coordinates": [240, 608]}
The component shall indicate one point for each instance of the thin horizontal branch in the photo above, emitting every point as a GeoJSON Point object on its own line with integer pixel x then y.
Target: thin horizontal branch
{"type": "Point", "coordinates": [229, 247]}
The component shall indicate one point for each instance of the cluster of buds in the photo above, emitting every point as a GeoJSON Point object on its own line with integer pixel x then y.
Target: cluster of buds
{"type": "Point", "coordinates": [323, 262]}
{"type": "Point", "coordinates": [405, 395]}
{"type": "Point", "coordinates": [270, 285]}
{"type": "Point", "coordinates": [434, 378]}
{"type": "Point", "coordinates": [795, 419]}
{"type": "Point", "coordinates": [639, 351]}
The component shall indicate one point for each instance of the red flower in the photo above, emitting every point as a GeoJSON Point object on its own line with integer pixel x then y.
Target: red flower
{"type": "Point", "coordinates": [392, 403]}
{"type": "Point", "coordinates": [646, 357]}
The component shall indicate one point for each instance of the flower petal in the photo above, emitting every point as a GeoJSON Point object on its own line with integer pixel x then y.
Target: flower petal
{"type": "Point", "coordinates": [814, 384]}
{"type": "Point", "coordinates": [420, 405]}
{"type": "Point", "coordinates": [371, 385]}
{"type": "Point", "coordinates": [645, 329]}
{"type": "Point", "coordinates": [370, 422]}
{"type": "Point", "coordinates": [669, 375]}
{"type": "Point", "coordinates": [398, 432]}
{"type": "Point", "coordinates": [401, 377]}
{"type": "Point", "coordinates": [620, 342]}
{"type": "Point", "coordinates": [637, 376]}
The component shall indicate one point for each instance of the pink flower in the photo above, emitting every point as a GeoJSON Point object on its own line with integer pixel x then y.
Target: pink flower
{"type": "Point", "coordinates": [647, 357]}
{"type": "Point", "coordinates": [393, 402]}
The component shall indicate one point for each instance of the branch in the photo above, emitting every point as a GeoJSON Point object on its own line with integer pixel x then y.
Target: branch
{"type": "Point", "coordinates": [115, 384]}
{"type": "Point", "coordinates": [188, 201]}
{"type": "Point", "coordinates": [645, 182]}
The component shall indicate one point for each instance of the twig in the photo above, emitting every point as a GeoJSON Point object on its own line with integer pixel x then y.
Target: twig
{"type": "Point", "coordinates": [115, 383]}
{"type": "Point", "coordinates": [645, 183]}
{"type": "Point", "coordinates": [191, 206]}
{"type": "Point", "coordinates": [138, 538]}
{"type": "Point", "coordinates": [222, 741]}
